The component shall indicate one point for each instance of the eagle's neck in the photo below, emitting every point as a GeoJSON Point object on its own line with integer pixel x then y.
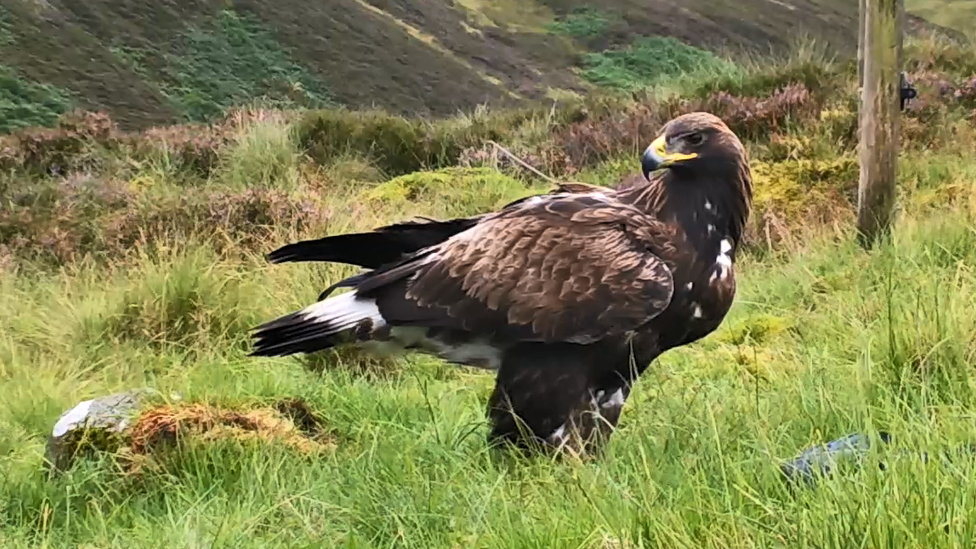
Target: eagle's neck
{"type": "Point", "coordinates": [707, 213]}
{"type": "Point", "coordinates": [710, 218]}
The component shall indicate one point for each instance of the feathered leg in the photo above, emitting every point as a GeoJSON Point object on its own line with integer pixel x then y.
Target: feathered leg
{"type": "Point", "coordinates": [552, 398]}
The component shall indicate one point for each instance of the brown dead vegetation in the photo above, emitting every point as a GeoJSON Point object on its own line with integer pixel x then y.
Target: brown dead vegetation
{"type": "Point", "coordinates": [291, 423]}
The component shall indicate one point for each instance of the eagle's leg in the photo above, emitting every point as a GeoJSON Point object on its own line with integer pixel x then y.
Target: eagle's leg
{"type": "Point", "coordinates": [553, 400]}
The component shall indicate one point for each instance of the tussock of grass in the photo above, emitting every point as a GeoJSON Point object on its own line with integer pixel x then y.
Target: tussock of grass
{"type": "Point", "coordinates": [264, 156]}
{"type": "Point", "coordinates": [189, 303]}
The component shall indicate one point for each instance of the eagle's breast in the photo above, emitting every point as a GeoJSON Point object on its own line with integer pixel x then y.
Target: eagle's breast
{"type": "Point", "coordinates": [704, 276]}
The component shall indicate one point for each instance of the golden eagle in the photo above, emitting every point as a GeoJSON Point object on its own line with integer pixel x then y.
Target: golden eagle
{"type": "Point", "coordinates": [568, 296]}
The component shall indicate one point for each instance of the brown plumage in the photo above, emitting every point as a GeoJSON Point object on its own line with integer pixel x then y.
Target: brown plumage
{"type": "Point", "coordinates": [569, 296]}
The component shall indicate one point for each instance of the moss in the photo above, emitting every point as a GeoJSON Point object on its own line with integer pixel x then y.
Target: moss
{"type": "Point", "coordinates": [457, 191]}
{"type": "Point", "coordinates": [757, 329]}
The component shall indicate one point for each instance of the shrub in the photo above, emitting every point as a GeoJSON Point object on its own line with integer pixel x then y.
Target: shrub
{"type": "Point", "coordinates": [193, 149]}
{"type": "Point", "coordinates": [78, 142]}
{"type": "Point", "coordinates": [61, 221]}
{"type": "Point", "coordinates": [600, 139]}
{"type": "Point", "coordinates": [817, 76]}
{"type": "Point", "coordinates": [584, 23]}
{"type": "Point", "coordinates": [939, 55]}
{"type": "Point", "coordinates": [790, 194]}
{"type": "Point", "coordinates": [398, 145]}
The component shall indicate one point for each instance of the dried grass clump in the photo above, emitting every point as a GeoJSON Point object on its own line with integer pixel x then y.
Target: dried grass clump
{"type": "Point", "coordinates": [244, 220]}
{"type": "Point", "coordinates": [291, 423]}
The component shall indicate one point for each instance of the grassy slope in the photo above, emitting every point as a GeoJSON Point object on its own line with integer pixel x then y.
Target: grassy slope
{"type": "Point", "coordinates": [154, 63]}
{"type": "Point", "coordinates": [823, 339]}
{"type": "Point", "coordinates": [956, 14]}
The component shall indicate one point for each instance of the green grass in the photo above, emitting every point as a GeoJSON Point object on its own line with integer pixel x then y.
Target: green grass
{"type": "Point", "coordinates": [25, 104]}
{"type": "Point", "coordinates": [824, 339]}
{"type": "Point", "coordinates": [649, 61]}
{"type": "Point", "coordinates": [583, 23]}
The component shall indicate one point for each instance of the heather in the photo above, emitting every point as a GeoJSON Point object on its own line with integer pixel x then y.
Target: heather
{"type": "Point", "coordinates": [135, 259]}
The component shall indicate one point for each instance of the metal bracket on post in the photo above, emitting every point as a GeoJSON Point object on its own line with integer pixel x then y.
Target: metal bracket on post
{"type": "Point", "coordinates": [907, 92]}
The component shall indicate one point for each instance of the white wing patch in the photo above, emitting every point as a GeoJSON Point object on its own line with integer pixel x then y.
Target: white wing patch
{"type": "Point", "coordinates": [558, 437]}
{"type": "Point", "coordinates": [343, 311]}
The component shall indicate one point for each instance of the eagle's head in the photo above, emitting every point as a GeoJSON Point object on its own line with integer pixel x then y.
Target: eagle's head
{"type": "Point", "coordinates": [697, 142]}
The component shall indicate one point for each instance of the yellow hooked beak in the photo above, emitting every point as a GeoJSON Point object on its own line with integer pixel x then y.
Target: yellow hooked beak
{"type": "Point", "coordinates": [656, 156]}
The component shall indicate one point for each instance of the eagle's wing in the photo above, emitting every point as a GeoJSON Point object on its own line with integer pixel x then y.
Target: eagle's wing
{"type": "Point", "coordinates": [388, 243]}
{"type": "Point", "coordinates": [565, 268]}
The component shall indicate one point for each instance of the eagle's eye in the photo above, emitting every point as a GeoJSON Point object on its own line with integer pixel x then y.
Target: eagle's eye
{"type": "Point", "coordinates": [695, 138]}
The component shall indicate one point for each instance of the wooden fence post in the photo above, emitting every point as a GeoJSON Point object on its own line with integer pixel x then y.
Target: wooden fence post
{"type": "Point", "coordinates": [879, 117]}
{"type": "Point", "coordinates": [861, 31]}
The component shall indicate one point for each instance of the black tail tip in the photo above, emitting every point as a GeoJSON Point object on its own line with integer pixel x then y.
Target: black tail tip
{"type": "Point", "coordinates": [292, 334]}
{"type": "Point", "coordinates": [281, 255]}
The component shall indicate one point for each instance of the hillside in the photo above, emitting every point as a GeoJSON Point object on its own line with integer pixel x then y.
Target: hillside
{"type": "Point", "coordinates": [177, 60]}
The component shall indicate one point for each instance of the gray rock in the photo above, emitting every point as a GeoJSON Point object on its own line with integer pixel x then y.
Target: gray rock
{"type": "Point", "coordinates": [97, 424]}
{"type": "Point", "coordinates": [821, 460]}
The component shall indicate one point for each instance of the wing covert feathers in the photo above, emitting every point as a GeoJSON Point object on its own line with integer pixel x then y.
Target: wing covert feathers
{"type": "Point", "coordinates": [564, 268]}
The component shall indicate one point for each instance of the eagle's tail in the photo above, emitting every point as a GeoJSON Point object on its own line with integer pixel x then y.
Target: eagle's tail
{"type": "Point", "coordinates": [317, 327]}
